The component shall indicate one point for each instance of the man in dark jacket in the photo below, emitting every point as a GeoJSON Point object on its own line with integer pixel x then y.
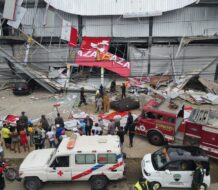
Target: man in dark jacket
{"type": "Point", "coordinates": [2, 181]}
{"type": "Point", "coordinates": [44, 123]}
{"type": "Point", "coordinates": [123, 91]}
{"type": "Point", "coordinates": [23, 121]}
{"type": "Point", "coordinates": [89, 124]}
{"type": "Point", "coordinates": [198, 176]}
{"type": "Point", "coordinates": [129, 122]}
{"type": "Point", "coordinates": [59, 120]}
{"type": "Point", "coordinates": [82, 97]}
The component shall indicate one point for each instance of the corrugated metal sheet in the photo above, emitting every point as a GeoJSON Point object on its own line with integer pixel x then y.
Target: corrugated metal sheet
{"type": "Point", "coordinates": [53, 23]}
{"type": "Point", "coordinates": [116, 7]}
{"type": "Point", "coordinates": [130, 27]}
{"type": "Point", "coordinates": [190, 21]}
{"type": "Point", "coordinates": [191, 58]}
{"type": "Point", "coordinates": [115, 27]}
{"type": "Point", "coordinates": [97, 26]}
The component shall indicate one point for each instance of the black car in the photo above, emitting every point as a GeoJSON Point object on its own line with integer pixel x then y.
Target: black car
{"type": "Point", "coordinates": [22, 88]}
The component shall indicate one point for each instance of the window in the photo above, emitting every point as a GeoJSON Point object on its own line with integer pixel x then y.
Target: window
{"type": "Point", "coordinates": [173, 166]}
{"type": "Point", "coordinates": [171, 120]}
{"type": "Point", "coordinates": [62, 161]}
{"type": "Point", "coordinates": [107, 158]}
{"type": "Point", "coordinates": [187, 165]}
{"type": "Point", "coordinates": [160, 117]}
{"type": "Point", "coordinates": [85, 159]}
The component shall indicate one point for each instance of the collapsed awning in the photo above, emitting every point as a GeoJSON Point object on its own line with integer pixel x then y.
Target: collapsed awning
{"type": "Point", "coordinates": [94, 53]}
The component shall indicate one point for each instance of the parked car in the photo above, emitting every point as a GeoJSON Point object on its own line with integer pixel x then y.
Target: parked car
{"type": "Point", "coordinates": [22, 88]}
{"type": "Point", "coordinates": [173, 166]}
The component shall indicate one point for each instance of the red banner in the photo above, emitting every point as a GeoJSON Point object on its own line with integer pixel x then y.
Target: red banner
{"type": "Point", "coordinates": [94, 52]}
{"type": "Point", "coordinates": [73, 37]}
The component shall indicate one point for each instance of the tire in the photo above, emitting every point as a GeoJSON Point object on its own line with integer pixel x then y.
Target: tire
{"type": "Point", "coordinates": [155, 138]}
{"type": "Point", "coordinates": [202, 187]}
{"type": "Point", "coordinates": [99, 182]}
{"type": "Point", "coordinates": [155, 185]}
{"type": "Point", "coordinates": [32, 183]}
{"type": "Point", "coordinates": [10, 174]}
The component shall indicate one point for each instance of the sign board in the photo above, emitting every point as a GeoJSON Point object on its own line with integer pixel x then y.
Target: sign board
{"type": "Point", "coordinates": [9, 9]}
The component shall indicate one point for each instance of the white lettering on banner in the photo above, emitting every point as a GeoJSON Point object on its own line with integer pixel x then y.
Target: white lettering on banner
{"type": "Point", "coordinates": [105, 57]}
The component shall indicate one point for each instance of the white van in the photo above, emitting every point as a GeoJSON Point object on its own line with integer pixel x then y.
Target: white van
{"type": "Point", "coordinates": [173, 166]}
{"type": "Point", "coordinates": [97, 159]}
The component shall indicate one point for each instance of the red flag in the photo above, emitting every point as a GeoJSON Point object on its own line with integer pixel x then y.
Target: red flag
{"type": "Point", "coordinates": [73, 37]}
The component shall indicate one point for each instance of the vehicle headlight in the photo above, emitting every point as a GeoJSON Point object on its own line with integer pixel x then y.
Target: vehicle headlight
{"type": "Point", "coordinates": [146, 173]}
{"type": "Point", "coordinates": [20, 173]}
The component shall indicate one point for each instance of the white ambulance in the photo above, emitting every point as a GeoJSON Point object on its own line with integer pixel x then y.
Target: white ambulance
{"type": "Point", "coordinates": [173, 166]}
{"type": "Point", "coordinates": [97, 159]}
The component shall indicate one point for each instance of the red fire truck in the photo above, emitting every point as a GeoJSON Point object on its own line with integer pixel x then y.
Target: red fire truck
{"type": "Point", "coordinates": [162, 121]}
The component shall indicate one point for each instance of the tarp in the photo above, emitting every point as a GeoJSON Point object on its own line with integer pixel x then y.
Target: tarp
{"type": "Point", "coordinates": [94, 52]}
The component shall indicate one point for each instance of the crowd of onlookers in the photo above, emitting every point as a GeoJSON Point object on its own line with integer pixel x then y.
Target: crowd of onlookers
{"type": "Point", "coordinates": [24, 134]}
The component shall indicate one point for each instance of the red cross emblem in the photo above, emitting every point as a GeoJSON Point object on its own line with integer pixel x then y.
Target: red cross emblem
{"type": "Point", "coordinates": [60, 173]}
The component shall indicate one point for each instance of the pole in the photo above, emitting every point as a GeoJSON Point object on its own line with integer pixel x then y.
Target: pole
{"type": "Point", "coordinates": [102, 76]}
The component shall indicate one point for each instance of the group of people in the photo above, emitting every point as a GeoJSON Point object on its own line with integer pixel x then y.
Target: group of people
{"type": "Point", "coordinates": [25, 134]}
{"type": "Point", "coordinates": [88, 127]}
{"type": "Point", "coordinates": [102, 99]}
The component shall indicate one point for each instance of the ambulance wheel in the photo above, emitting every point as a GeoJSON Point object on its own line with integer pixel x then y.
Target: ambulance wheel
{"type": "Point", "coordinates": [32, 183]}
{"type": "Point", "coordinates": [155, 185]}
{"type": "Point", "coordinates": [99, 182]}
{"type": "Point", "coordinates": [202, 187]}
{"type": "Point", "coordinates": [155, 138]}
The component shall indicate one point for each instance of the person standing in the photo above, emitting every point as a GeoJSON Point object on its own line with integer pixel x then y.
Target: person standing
{"type": "Point", "coordinates": [121, 134]}
{"type": "Point", "coordinates": [15, 141]}
{"type": "Point", "coordinates": [82, 97]}
{"type": "Point", "coordinates": [89, 124]}
{"type": "Point", "coordinates": [23, 121]}
{"type": "Point", "coordinates": [59, 133]}
{"type": "Point", "coordinates": [106, 103]}
{"type": "Point", "coordinates": [44, 123]}
{"type": "Point", "coordinates": [142, 184]}
{"type": "Point", "coordinates": [123, 91]}
{"type": "Point", "coordinates": [51, 138]}
{"type": "Point", "coordinates": [2, 181]}
{"type": "Point", "coordinates": [111, 127]}
{"type": "Point", "coordinates": [31, 133]}
{"type": "Point", "coordinates": [129, 122]}
{"type": "Point", "coordinates": [37, 139]}
{"type": "Point", "coordinates": [24, 140]}
{"type": "Point", "coordinates": [99, 103]}
{"type": "Point", "coordinates": [101, 90]}
{"type": "Point", "coordinates": [198, 176]}
{"type": "Point", "coordinates": [6, 135]}
{"type": "Point", "coordinates": [1, 152]}
{"type": "Point", "coordinates": [59, 120]}
{"type": "Point", "coordinates": [131, 134]}
{"type": "Point", "coordinates": [113, 86]}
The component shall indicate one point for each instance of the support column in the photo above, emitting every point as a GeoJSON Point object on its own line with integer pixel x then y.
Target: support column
{"type": "Point", "coordinates": [102, 76]}
{"type": "Point", "coordinates": [150, 43]}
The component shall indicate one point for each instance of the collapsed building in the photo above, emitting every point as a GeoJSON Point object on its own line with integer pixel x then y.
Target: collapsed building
{"type": "Point", "coordinates": [165, 37]}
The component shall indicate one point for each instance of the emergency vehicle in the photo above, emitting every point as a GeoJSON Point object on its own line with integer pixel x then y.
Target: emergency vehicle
{"type": "Point", "coordinates": [97, 159]}
{"type": "Point", "coordinates": [163, 121]}
{"type": "Point", "coordinates": [173, 166]}
{"type": "Point", "coordinates": [160, 120]}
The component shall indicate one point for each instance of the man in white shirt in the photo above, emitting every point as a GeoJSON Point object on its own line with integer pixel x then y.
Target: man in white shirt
{"type": "Point", "coordinates": [51, 138]}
